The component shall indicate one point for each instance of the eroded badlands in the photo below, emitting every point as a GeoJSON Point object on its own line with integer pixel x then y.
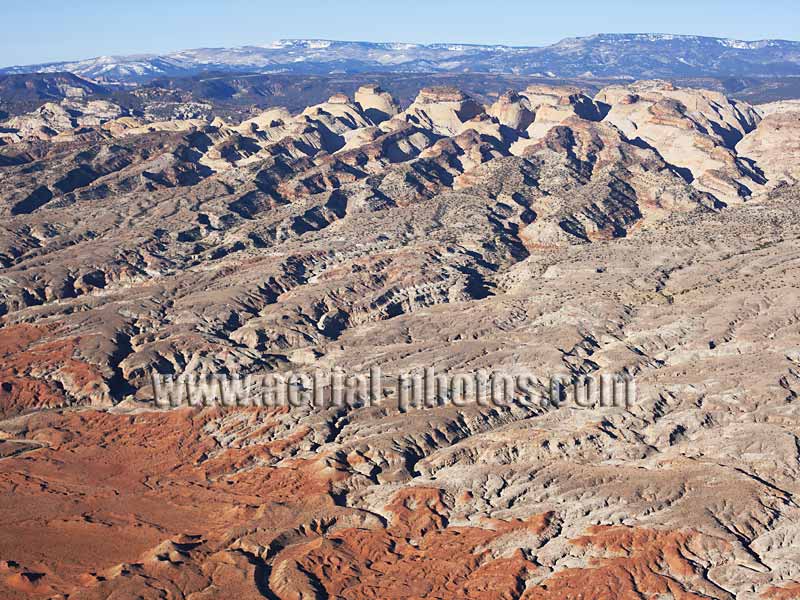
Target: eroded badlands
{"type": "Point", "coordinates": [648, 230]}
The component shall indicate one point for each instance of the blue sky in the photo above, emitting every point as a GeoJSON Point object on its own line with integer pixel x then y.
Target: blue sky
{"type": "Point", "coordinates": [47, 30]}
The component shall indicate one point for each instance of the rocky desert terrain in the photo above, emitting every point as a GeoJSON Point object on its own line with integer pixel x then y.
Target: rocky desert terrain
{"type": "Point", "coordinates": [645, 229]}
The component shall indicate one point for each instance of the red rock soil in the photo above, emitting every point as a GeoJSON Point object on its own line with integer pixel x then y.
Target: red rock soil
{"type": "Point", "coordinates": [148, 505]}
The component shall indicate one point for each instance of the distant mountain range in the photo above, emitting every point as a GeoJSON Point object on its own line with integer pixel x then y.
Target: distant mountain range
{"type": "Point", "coordinates": [634, 56]}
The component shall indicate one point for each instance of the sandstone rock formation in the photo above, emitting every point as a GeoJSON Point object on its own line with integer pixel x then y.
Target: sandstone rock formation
{"type": "Point", "coordinates": [695, 131]}
{"type": "Point", "coordinates": [442, 110]}
{"type": "Point", "coordinates": [512, 110]}
{"type": "Point", "coordinates": [377, 104]}
{"type": "Point", "coordinates": [650, 231]}
{"type": "Point", "coordinates": [774, 146]}
{"type": "Point", "coordinates": [52, 119]}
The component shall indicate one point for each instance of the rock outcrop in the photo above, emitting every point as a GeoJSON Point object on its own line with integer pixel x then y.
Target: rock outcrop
{"type": "Point", "coordinates": [773, 147]}
{"type": "Point", "coordinates": [696, 131]}
{"type": "Point", "coordinates": [378, 104]}
{"type": "Point", "coordinates": [442, 110]}
{"type": "Point", "coordinates": [512, 110]}
{"type": "Point", "coordinates": [650, 231]}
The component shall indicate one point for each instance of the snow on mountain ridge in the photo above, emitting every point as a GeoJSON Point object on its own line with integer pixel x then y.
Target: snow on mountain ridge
{"type": "Point", "coordinates": [637, 55]}
{"type": "Point", "coordinates": [742, 45]}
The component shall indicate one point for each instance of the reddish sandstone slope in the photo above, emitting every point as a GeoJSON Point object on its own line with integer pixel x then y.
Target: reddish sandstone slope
{"type": "Point", "coordinates": [152, 505]}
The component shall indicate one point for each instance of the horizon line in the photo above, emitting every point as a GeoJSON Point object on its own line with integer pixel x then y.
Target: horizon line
{"type": "Point", "coordinates": [267, 45]}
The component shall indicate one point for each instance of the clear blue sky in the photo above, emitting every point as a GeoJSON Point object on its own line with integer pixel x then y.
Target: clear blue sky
{"type": "Point", "coordinates": [48, 30]}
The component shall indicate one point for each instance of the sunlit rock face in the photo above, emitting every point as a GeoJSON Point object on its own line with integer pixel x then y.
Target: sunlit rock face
{"type": "Point", "coordinates": [377, 104]}
{"type": "Point", "coordinates": [773, 147]}
{"type": "Point", "coordinates": [649, 231]}
{"type": "Point", "coordinates": [697, 131]}
{"type": "Point", "coordinates": [512, 110]}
